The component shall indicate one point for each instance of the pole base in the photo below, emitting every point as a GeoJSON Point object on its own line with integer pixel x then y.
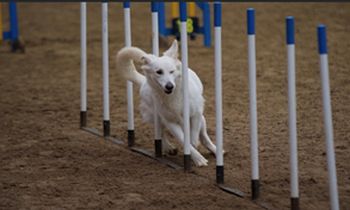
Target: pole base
{"type": "Point", "coordinates": [83, 119]}
{"type": "Point", "coordinates": [131, 138]}
{"type": "Point", "coordinates": [255, 187]}
{"type": "Point", "coordinates": [187, 163]}
{"type": "Point", "coordinates": [17, 45]}
{"type": "Point", "coordinates": [106, 128]}
{"type": "Point", "coordinates": [219, 174]}
{"type": "Point", "coordinates": [231, 190]}
{"type": "Point", "coordinates": [294, 203]}
{"type": "Point", "coordinates": [158, 147]}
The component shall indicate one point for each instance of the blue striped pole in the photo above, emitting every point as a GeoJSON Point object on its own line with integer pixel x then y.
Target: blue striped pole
{"type": "Point", "coordinates": [129, 85]}
{"type": "Point", "coordinates": [186, 104]}
{"type": "Point", "coordinates": [253, 107]}
{"type": "Point", "coordinates": [13, 20]}
{"type": "Point", "coordinates": [218, 95]}
{"type": "Point", "coordinates": [155, 49]}
{"type": "Point", "coordinates": [327, 111]}
{"type": "Point", "coordinates": [13, 33]}
{"type": "Point", "coordinates": [293, 152]}
{"type": "Point", "coordinates": [105, 68]}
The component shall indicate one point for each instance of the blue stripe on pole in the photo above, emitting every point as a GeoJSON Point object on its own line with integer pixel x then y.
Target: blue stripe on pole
{"type": "Point", "coordinates": [322, 39]}
{"type": "Point", "coordinates": [290, 30]}
{"type": "Point", "coordinates": [251, 21]}
{"type": "Point", "coordinates": [183, 11]}
{"type": "Point", "coordinates": [13, 20]}
{"type": "Point", "coordinates": [217, 14]}
{"type": "Point", "coordinates": [154, 6]}
{"type": "Point", "coordinates": [126, 4]}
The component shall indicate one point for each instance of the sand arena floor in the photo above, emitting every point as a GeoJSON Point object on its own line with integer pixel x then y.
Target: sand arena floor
{"type": "Point", "coordinates": [47, 162]}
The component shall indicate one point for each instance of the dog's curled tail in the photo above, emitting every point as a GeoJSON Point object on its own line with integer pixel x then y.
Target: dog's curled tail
{"type": "Point", "coordinates": [125, 64]}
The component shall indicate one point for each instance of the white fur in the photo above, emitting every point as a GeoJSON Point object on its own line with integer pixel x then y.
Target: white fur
{"type": "Point", "coordinates": [160, 73]}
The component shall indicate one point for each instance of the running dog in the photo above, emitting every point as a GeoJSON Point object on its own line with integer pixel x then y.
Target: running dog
{"type": "Point", "coordinates": [161, 92]}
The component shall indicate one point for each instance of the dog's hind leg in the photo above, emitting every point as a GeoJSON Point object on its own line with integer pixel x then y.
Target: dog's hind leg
{"type": "Point", "coordinates": [178, 133]}
{"type": "Point", "coordinates": [195, 128]}
{"type": "Point", "coordinates": [204, 137]}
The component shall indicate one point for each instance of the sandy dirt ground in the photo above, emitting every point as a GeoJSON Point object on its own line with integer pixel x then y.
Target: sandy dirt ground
{"type": "Point", "coordinates": [47, 162]}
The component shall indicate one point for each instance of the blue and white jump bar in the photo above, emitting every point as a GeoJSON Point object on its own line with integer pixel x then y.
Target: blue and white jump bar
{"type": "Point", "coordinates": [293, 152]}
{"type": "Point", "coordinates": [105, 69]}
{"type": "Point", "coordinates": [327, 110]}
{"type": "Point", "coordinates": [218, 95]}
{"type": "Point", "coordinates": [83, 66]}
{"type": "Point", "coordinates": [254, 152]}
{"type": "Point", "coordinates": [186, 104]}
{"type": "Point", "coordinates": [129, 85]}
{"type": "Point", "coordinates": [155, 50]}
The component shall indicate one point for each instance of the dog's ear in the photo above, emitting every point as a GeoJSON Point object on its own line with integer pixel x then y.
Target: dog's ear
{"type": "Point", "coordinates": [173, 50]}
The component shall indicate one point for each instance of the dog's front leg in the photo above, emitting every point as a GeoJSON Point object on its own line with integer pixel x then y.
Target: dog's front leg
{"type": "Point", "coordinates": [178, 133]}
{"type": "Point", "coordinates": [166, 145]}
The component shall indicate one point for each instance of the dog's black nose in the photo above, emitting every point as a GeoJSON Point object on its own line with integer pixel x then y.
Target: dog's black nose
{"type": "Point", "coordinates": [169, 86]}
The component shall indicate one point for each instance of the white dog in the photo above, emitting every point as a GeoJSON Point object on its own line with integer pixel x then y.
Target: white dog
{"type": "Point", "coordinates": [161, 90]}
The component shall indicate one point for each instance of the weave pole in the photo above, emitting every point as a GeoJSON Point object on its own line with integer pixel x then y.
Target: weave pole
{"type": "Point", "coordinates": [105, 67]}
{"type": "Point", "coordinates": [129, 85]}
{"type": "Point", "coordinates": [327, 112]}
{"type": "Point", "coordinates": [293, 151]}
{"type": "Point", "coordinates": [254, 152]}
{"type": "Point", "coordinates": [220, 178]}
{"type": "Point", "coordinates": [218, 95]}
{"type": "Point", "coordinates": [155, 50]}
{"type": "Point", "coordinates": [186, 104]}
{"type": "Point", "coordinates": [1, 25]}
{"type": "Point", "coordinates": [83, 66]}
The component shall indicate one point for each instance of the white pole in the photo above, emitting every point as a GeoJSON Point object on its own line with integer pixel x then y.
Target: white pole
{"type": "Point", "coordinates": [83, 65]}
{"type": "Point", "coordinates": [105, 66]}
{"type": "Point", "coordinates": [129, 86]}
{"type": "Point", "coordinates": [218, 95]}
{"type": "Point", "coordinates": [155, 50]}
{"type": "Point", "coordinates": [293, 152]}
{"type": "Point", "coordinates": [186, 104]}
{"type": "Point", "coordinates": [328, 125]}
{"type": "Point", "coordinates": [218, 98]}
{"type": "Point", "coordinates": [155, 33]}
{"type": "Point", "coordinates": [253, 104]}
{"type": "Point", "coordinates": [127, 25]}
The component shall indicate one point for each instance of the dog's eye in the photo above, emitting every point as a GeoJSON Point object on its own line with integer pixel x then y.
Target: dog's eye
{"type": "Point", "coordinates": [160, 72]}
{"type": "Point", "coordinates": [171, 72]}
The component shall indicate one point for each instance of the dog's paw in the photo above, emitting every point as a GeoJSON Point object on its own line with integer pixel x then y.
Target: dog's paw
{"type": "Point", "coordinates": [168, 148]}
{"type": "Point", "coordinates": [200, 161]}
{"type": "Point", "coordinates": [213, 151]}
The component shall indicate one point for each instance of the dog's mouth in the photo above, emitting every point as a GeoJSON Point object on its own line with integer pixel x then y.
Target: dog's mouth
{"type": "Point", "coordinates": [168, 91]}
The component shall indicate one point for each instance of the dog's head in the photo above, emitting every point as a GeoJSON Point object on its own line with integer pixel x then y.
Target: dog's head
{"type": "Point", "coordinates": [165, 70]}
